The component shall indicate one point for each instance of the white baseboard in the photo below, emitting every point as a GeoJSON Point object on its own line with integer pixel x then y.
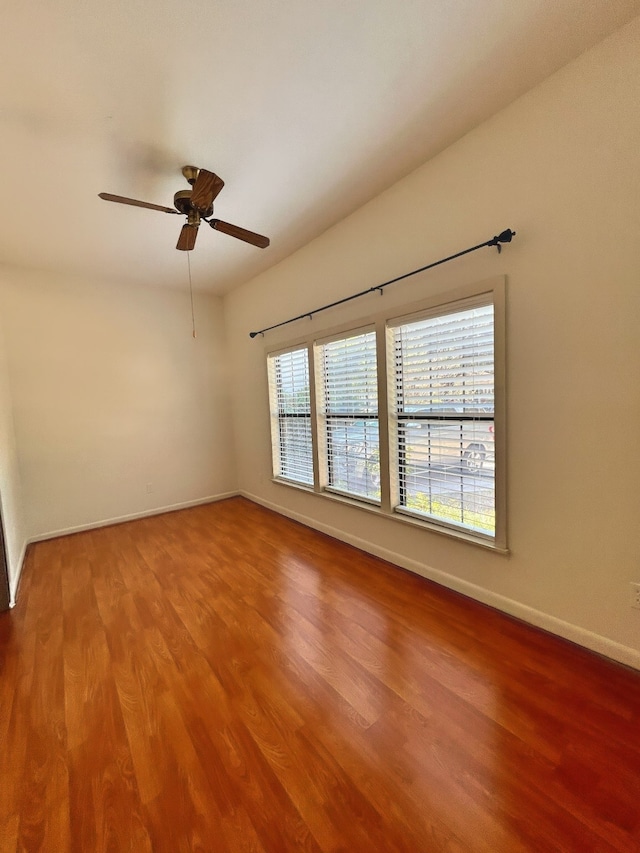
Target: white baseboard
{"type": "Point", "coordinates": [15, 582]}
{"type": "Point", "coordinates": [574, 633]}
{"type": "Point", "coordinates": [121, 519]}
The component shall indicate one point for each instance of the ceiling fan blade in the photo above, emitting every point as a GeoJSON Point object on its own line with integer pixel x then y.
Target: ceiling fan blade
{"type": "Point", "coordinates": [187, 238]}
{"type": "Point", "coordinates": [240, 233]}
{"type": "Point", "coordinates": [205, 190]}
{"type": "Point", "coordinates": [134, 201]}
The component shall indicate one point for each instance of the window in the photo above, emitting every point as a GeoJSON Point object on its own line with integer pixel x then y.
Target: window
{"type": "Point", "coordinates": [443, 417]}
{"type": "Point", "coordinates": [403, 416]}
{"type": "Point", "coordinates": [291, 416]}
{"type": "Point", "coordinates": [349, 415]}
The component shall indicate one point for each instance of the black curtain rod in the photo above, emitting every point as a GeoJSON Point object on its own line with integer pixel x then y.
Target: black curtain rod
{"type": "Point", "coordinates": [505, 237]}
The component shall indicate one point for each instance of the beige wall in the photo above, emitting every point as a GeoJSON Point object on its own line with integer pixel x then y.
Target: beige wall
{"type": "Point", "coordinates": [562, 167]}
{"type": "Point", "coordinates": [10, 482]}
{"type": "Point", "coordinates": [110, 393]}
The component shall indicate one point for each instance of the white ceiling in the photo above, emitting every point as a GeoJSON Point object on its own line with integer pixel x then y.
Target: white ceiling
{"type": "Point", "coordinates": [306, 109]}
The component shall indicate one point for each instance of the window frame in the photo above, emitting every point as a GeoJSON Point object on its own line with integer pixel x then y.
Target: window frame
{"type": "Point", "coordinates": [323, 418]}
{"type": "Point", "coordinates": [398, 477]}
{"type": "Point", "coordinates": [492, 291]}
{"type": "Point", "coordinates": [275, 417]}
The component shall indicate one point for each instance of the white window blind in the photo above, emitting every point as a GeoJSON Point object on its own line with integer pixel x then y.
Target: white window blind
{"type": "Point", "coordinates": [443, 374]}
{"type": "Point", "coordinates": [291, 416]}
{"type": "Point", "coordinates": [350, 413]}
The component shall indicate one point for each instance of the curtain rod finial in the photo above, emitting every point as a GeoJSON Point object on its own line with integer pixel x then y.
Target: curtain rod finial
{"type": "Point", "coordinates": [504, 237]}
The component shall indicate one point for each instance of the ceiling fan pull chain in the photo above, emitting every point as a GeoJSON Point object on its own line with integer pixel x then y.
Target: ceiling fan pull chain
{"type": "Point", "coordinates": [193, 317]}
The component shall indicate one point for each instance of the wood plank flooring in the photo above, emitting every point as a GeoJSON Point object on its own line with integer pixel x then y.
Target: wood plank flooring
{"type": "Point", "coordinates": [224, 680]}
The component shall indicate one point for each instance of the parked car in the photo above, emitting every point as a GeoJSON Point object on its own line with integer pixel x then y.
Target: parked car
{"type": "Point", "coordinates": [464, 445]}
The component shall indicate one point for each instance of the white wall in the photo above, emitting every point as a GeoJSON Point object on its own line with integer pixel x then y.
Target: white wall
{"type": "Point", "coordinates": [10, 483]}
{"type": "Point", "coordinates": [562, 167]}
{"type": "Point", "coordinates": [110, 393]}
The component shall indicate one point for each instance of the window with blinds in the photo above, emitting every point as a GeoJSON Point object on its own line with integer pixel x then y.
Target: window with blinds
{"type": "Point", "coordinates": [443, 417]}
{"type": "Point", "coordinates": [291, 416]}
{"type": "Point", "coordinates": [349, 412]}
{"type": "Point", "coordinates": [404, 416]}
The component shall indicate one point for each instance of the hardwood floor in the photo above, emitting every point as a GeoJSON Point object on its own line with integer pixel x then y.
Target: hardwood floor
{"type": "Point", "coordinates": [223, 679]}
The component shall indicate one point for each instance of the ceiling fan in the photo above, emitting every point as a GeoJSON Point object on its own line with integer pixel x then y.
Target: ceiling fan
{"type": "Point", "coordinates": [197, 205]}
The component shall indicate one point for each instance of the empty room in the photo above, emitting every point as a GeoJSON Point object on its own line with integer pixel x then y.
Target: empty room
{"type": "Point", "coordinates": [319, 406]}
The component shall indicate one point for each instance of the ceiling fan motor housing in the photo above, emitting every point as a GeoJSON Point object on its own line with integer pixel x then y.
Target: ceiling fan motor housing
{"type": "Point", "coordinates": [182, 203]}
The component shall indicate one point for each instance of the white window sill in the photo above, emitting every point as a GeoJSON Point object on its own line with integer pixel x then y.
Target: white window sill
{"type": "Point", "coordinates": [399, 515]}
